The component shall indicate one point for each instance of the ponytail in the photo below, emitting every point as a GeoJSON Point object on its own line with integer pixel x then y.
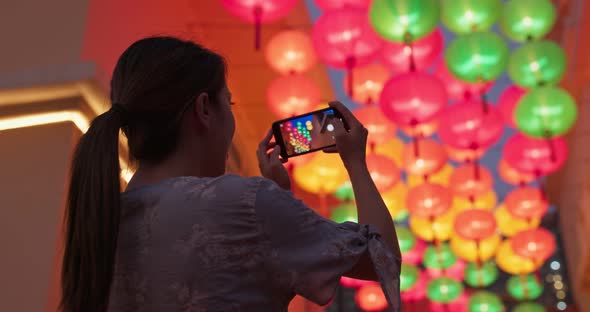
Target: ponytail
{"type": "Point", "coordinates": [92, 217]}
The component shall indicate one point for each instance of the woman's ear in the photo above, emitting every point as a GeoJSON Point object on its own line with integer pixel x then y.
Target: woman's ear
{"type": "Point", "coordinates": [202, 111]}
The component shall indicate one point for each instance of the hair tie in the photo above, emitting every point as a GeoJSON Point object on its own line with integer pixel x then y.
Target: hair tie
{"type": "Point", "coordinates": [123, 113]}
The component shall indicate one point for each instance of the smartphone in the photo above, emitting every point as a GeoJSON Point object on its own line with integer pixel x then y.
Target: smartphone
{"type": "Point", "coordinates": [306, 133]}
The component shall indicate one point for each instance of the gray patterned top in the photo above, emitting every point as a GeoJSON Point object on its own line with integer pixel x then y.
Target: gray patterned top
{"type": "Point", "coordinates": [234, 244]}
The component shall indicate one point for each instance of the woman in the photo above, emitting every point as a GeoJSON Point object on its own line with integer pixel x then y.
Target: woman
{"type": "Point", "coordinates": [186, 237]}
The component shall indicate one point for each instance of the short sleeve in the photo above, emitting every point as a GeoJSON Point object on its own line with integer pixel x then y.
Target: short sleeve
{"type": "Point", "coordinates": [309, 253]}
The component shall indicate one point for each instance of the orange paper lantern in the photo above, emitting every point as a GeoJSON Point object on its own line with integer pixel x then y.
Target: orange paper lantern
{"type": "Point", "coordinates": [465, 155]}
{"type": "Point", "coordinates": [441, 177]}
{"type": "Point", "coordinates": [475, 224]}
{"type": "Point", "coordinates": [513, 176]}
{"type": "Point", "coordinates": [290, 51]}
{"type": "Point", "coordinates": [471, 181]}
{"type": "Point", "coordinates": [292, 95]}
{"type": "Point", "coordinates": [383, 170]}
{"type": "Point", "coordinates": [536, 244]}
{"type": "Point", "coordinates": [380, 128]}
{"type": "Point", "coordinates": [526, 203]}
{"type": "Point", "coordinates": [425, 129]}
{"type": "Point", "coordinates": [424, 157]}
{"type": "Point", "coordinates": [367, 83]}
{"type": "Point", "coordinates": [370, 297]}
{"type": "Point", "coordinates": [428, 200]}
{"type": "Point", "coordinates": [392, 148]}
{"type": "Point", "coordinates": [324, 174]}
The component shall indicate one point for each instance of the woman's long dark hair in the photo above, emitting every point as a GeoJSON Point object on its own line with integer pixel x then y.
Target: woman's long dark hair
{"type": "Point", "coordinates": [152, 85]}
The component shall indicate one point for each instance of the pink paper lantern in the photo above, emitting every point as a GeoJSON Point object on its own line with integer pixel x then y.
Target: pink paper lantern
{"type": "Point", "coordinates": [343, 38]}
{"type": "Point", "coordinates": [456, 271]}
{"type": "Point", "coordinates": [413, 98]}
{"type": "Point", "coordinates": [507, 103]}
{"type": "Point", "coordinates": [457, 89]}
{"type": "Point", "coordinates": [259, 12]}
{"type": "Point", "coordinates": [535, 156]}
{"type": "Point", "coordinates": [416, 254]}
{"type": "Point", "coordinates": [467, 125]}
{"type": "Point", "coordinates": [424, 52]}
{"type": "Point", "coordinates": [418, 291]}
{"type": "Point", "coordinates": [328, 5]}
{"type": "Point", "coordinates": [353, 282]}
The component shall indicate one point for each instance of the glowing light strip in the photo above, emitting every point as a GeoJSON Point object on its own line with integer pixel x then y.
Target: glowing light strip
{"type": "Point", "coordinates": [39, 119]}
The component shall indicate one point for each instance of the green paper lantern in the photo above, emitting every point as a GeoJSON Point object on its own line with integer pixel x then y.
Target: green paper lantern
{"type": "Point", "coordinates": [408, 277]}
{"type": "Point", "coordinates": [444, 289]}
{"type": "Point", "coordinates": [345, 192]}
{"type": "Point", "coordinates": [483, 275]}
{"type": "Point", "coordinates": [546, 112]}
{"type": "Point", "coordinates": [523, 20]}
{"type": "Point", "coordinates": [441, 257]}
{"type": "Point", "coordinates": [403, 20]}
{"type": "Point", "coordinates": [405, 238]}
{"type": "Point", "coordinates": [465, 16]}
{"type": "Point", "coordinates": [536, 63]}
{"type": "Point", "coordinates": [529, 307]}
{"type": "Point", "coordinates": [344, 213]}
{"type": "Point", "coordinates": [525, 287]}
{"type": "Point", "coordinates": [485, 301]}
{"type": "Point", "coordinates": [477, 57]}
{"type": "Point", "coordinates": [402, 216]}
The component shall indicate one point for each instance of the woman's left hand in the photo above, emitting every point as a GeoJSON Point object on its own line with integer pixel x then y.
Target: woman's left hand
{"type": "Point", "coordinates": [270, 164]}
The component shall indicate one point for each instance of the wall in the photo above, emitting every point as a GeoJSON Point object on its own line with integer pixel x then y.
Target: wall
{"type": "Point", "coordinates": [34, 163]}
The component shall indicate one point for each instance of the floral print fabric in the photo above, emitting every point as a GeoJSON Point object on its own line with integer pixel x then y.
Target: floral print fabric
{"type": "Point", "coordinates": [234, 244]}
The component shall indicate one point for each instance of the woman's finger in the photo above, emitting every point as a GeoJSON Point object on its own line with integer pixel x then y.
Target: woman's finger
{"type": "Point", "coordinates": [348, 116]}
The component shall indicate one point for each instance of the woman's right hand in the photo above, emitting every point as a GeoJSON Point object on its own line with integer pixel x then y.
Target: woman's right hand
{"type": "Point", "coordinates": [350, 144]}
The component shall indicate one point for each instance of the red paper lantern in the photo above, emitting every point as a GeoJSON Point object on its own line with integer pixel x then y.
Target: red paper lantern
{"type": "Point", "coordinates": [290, 51]}
{"type": "Point", "coordinates": [457, 89]}
{"type": "Point", "coordinates": [371, 298]}
{"type": "Point", "coordinates": [475, 224]}
{"type": "Point", "coordinates": [292, 95]}
{"type": "Point", "coordinates": [470, 125]}
{"type": "Point", "coordinates": [398, 57]}
{"type": "Point", "coordinates": [536, 244]}
{"type": "Point", "coordinates": [383, 170]}
{"type": "Point", "coordinates": [413, 98]}
{"type": "Point", "coordinates": [424, 157]}
{"type": "Point", "coordinates": [368, 82]}
{"type": "Point", "coordinates": [344, 39]}
{"type": "Point", "coordinates": [471, 181]}
{"type": "Point", "coordinates": [513, 176]}
{"type": "Point", "coordinates": [526, 203]}
{"type": "Point", "coordinates": [260, 11]}
{"type": "Point", "coordinates": [428, 200]}
{"type": "Point", "coordinates": [381, 130]}
{"type": "Point", "coordinates": [327, 5]}
{"type": "Point", "coordinates": [535, 156]}
{"type": "Point", "coordinates": [507, 103]}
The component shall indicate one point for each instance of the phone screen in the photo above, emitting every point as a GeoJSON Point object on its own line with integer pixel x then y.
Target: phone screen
{"type": "Point", "coordinates": [306, 133]}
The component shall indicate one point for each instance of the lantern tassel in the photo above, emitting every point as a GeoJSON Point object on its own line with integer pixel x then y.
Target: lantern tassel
{"type": "Point", "coordinates": [257, 26]}
{"type": "Point", "coordinates": [350, 63]}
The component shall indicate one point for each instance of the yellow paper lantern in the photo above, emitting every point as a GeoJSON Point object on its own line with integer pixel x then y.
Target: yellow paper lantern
{"type": "Point", "coordinates": [468, 250]}
{"type": "Point", "coordinates": [395, 199]}
{"type": "Point", "coordinates": [392, 149]}
{"type": "Point", "coordinates": [509, 225]}
{"type": "Point", "coordinates": [323, 174]}
{"type": "Point", "coordinates": [441, 177]}
{"type": "Point", "coordinates": [486, 202]}
{"type": "Point", "coordinates": [442, 227]}
{"type": "Point", "coordinates": [512, 263]}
